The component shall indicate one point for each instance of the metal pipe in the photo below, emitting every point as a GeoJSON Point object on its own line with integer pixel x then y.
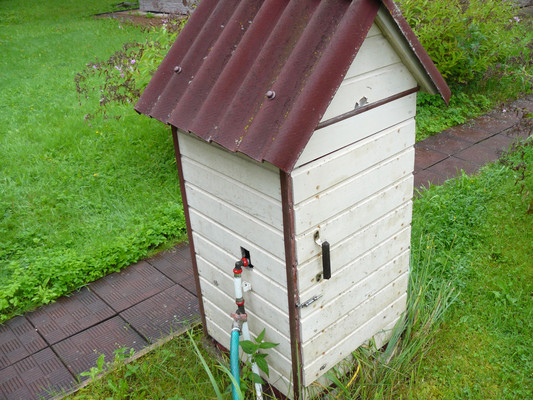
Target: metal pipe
{"type": "Point", "coordinates": [240, 320]}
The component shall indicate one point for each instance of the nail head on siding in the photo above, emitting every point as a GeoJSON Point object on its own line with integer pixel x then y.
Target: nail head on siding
{"type": "Point", "coordinates": [271, 94]}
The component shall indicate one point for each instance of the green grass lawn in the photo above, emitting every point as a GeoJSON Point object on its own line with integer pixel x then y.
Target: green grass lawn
{"type": "Point", "coordinates": [484, 349]}
{"type": "Point", "coordinates": [76, 200]}
{"type": "Point", "coordinates": [471, 285]}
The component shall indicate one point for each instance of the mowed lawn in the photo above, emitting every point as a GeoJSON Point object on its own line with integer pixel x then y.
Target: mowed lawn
{"type": "Point", "coordinates": [77, 200]}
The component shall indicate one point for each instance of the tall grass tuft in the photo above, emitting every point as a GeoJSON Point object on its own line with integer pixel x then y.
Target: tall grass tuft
{"type": "Point", "coordinates": [379, 373]}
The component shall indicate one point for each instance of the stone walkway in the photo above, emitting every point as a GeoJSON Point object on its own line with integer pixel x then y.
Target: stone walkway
{"type": "Point", "coordinates": [44, 351]}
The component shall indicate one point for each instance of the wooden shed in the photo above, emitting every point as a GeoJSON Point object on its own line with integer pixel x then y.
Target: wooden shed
{"type": "Point", "coordinates": [293, 123]}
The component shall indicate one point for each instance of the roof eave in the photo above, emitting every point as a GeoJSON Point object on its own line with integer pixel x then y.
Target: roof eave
{"type": "Point", "coordinates": [397, 30]}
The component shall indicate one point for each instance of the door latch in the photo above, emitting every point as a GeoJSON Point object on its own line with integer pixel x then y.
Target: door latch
{"type": "Point", "coordinates": [309, 302]}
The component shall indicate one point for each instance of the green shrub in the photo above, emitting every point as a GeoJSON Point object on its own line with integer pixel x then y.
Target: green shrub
{"type": "Point", "coordinates": [467, 38]}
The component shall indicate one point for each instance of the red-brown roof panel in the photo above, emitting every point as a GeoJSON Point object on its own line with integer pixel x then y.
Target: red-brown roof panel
{"type": "Point", "coordinates": [214, 80]}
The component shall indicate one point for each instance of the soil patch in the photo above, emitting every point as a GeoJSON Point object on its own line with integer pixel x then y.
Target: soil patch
{"type": "Point", "coordinates": [137, 17]}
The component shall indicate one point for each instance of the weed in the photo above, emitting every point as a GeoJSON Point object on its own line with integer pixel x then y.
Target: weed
{"type": "Point", "coordinates": [95, 371]}
{"type": "Point", "coordinates": [482, 349]}
{"type": "Point", "coordinates": [123, 76]}
{"type": "Point", "coordinates": [466, 38]}
{"type": "Point", "coordinates": [252, 348]}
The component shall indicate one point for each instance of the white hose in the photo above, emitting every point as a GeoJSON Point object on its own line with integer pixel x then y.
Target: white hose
{"type": "Point", "coordinates": [255, 368]}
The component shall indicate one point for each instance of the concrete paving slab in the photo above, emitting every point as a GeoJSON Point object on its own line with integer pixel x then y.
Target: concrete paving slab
{"type": "Point", "coordinates": [124, 289]}
{"type": "Point", "coordinates": [189, 283]}
{"type": "Point", "coordinates": [70, 315]}
{"type": "Point", "coordinates": [479, 155]}
{"type": "Point", "coordinates": [18, 340]}
{"type": "Point", "coordinates": [175, 264]}
{"type": "Point", "coordinates": [493, 125]}
{"type": "Point", "coordinates": [443, 143]}
{"type": "Point", "coordinates": [469, 133]}
{"type": "Point", "coordinates": [523, 104]}
{"type": "Point", "coordinates": [425, 157]}
{"type": "Point", "coordinates": [81, 351]}
{"type": "Point", "coordinates": [520, 131]}
{"type": "Point", "coordinates": [500, 143]}
{"type": "Point", "coordinates": [41, 375]}
{"type": "Point", "coordinates": [164, 313]}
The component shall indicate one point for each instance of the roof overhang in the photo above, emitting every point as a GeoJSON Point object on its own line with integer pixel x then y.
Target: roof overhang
{"type": "Point", "coordinates": [215, 79]}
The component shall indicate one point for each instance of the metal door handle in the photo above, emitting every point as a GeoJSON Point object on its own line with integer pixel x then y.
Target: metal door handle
{"type": "Point", "coordinates": [326, 263]}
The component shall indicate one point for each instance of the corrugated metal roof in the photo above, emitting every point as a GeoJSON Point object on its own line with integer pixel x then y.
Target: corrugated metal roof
{"type": "Point", "coordinates": [215, 79]}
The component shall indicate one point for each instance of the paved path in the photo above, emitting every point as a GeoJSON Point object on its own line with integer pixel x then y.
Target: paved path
{"type": "Point", "coordinates": [48, 348]}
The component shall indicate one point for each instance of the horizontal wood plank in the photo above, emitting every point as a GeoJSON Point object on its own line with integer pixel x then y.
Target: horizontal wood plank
{"type": "Point", "coordinates": [346, 363]}
{"type": "Point", "coordinates": [369, 88]}
{"type": "Point", "coordinates": [262, 286]}
{"type": "Point", "coordinates": [262, 177]}
{"type": "Point", "coordinates": [348, 131]}
{"type": "Point", "coordinates": [359, 327]}
{"type": "Point", "coordinates": [373, 248]}
{"type": "Point", "coordinates": [356, 218]}
{"type": "Point", "coordinates": [231, 242]}
{"type": "Point", "coordinates": [329, 337]}
{"type": "Point", "coordinates": [236, 220]}
{"type": "Point", "coordinates": [396, 38]}
{"type": "Point", "coordinates": [328, 171]}
{"type": "Point", "coordinates": [335, 200]}
{"type": "Point", "coordinates": [219, 288]}
{"type": "Point", "coordinates": [227, 190]}
{"type": "Point", "coordinates": [280, 367]}
{"type": "Point", "coordinates": [375, 53]}
{"type": "Point", "coordinates": [224, 321]}
{"type": "Point", "coordinates": [348, 300]}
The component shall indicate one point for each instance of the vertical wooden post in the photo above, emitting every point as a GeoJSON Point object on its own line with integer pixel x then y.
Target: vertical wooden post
{"type": "Point", "coordinates": [292, 282]}
{"type": "Point", "coordinates": [189, 230]}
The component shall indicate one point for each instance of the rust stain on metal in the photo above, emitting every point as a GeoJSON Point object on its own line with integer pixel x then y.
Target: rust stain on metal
{"type": "Point", "coordinates": [260, 85]}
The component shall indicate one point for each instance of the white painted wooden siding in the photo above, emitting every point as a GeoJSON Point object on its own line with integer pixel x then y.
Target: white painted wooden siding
{"type": "Point", "coordinates": [370, 318]}
{"type": "Point", "coordinates": [376, 73]}
{"type": "Point", "coordinates": [369, 229]}
{"type": "Point", "coordinates": [278, 376]}
{"type": "Point", "coordinates": [235, 202]}
{"type": "Point", "coordinates": [310, 213]}
{"type": "Point", "coordinates": [334, 137]}
{"type": "Point", "coordinates": [353, 184]}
